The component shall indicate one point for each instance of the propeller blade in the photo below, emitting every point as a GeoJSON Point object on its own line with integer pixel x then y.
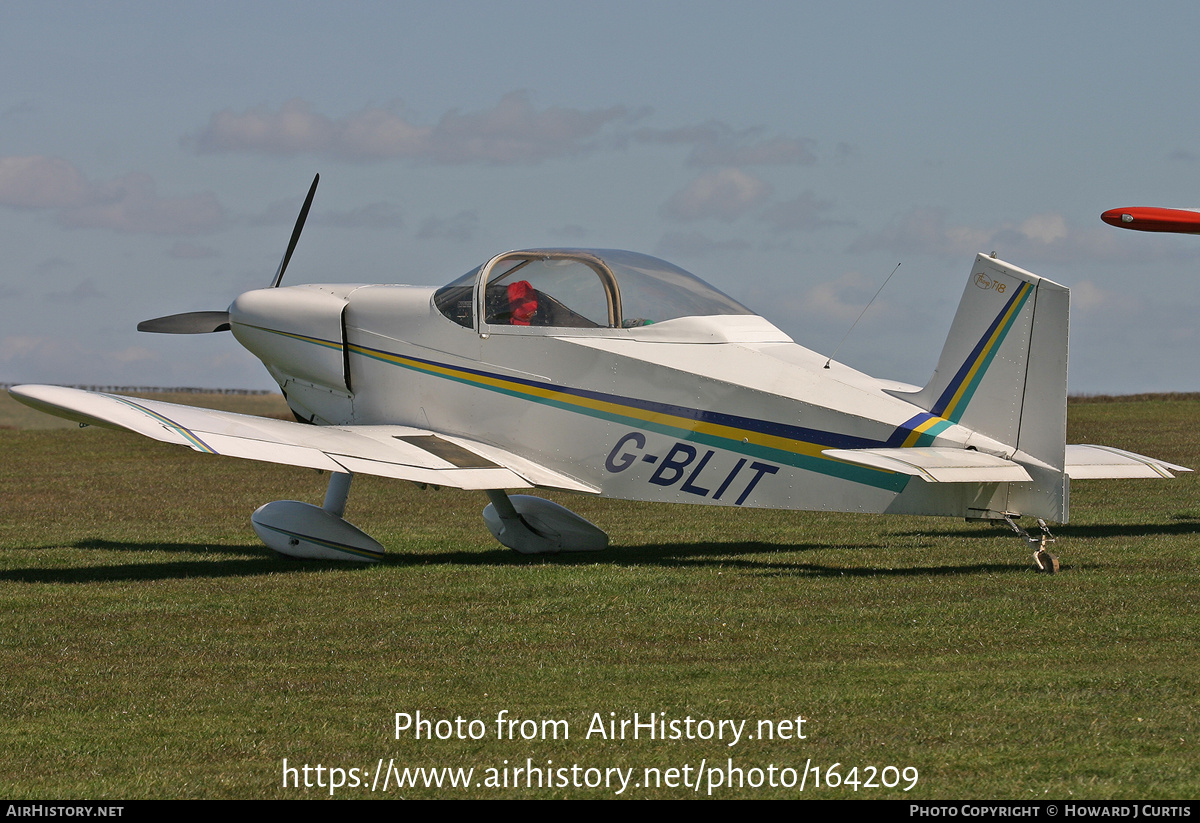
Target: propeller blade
{"type": "Point", "coordinates": [192, 322]}
{"type": "Point", "coordinates": [296, 233]}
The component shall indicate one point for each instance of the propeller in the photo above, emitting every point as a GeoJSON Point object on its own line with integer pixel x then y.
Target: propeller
{"type": "Point", "coordinates": [287, 256]}
{"type": "Point", "coordinates": [192, 322]}
{"type": "Point", "coordinates": [205, 322]}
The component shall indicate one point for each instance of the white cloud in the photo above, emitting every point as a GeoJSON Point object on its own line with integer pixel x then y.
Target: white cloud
{"type": "Point", "coordinates": [380, 215]}
{"type": "Point", "coordinates": [459, 227]}
{"type": "Point", "coordinates": [725, 194]}
{"type": "Point", "coordinates": [279, 213]}
{"type": "Point", "coordinates": [1091, 298]}
{"type": "Point", "coordinates": [513, 131]}
{"type": "Point", "coordinates": [38, 182]}
{"type": "Point", "coordinates": [676, 244]}
{"type": "Point", "coordinates": [843, 299]}
{"type": "Point", "coordinates": [129, 203]}
{"type": "Point", "coordinates": [18, 112]}
{"type": "Point", "coordinates": [923, 231]}
{"type": "Point", "coordinates": [1047, 237]}
{"type": "Point", "coordinates": [292, 129]}
{"type": "Point", "coordinates": [52, 264]}
{"type": "Point", "coordinates": [1044, 228]}
{"type": "Point", "coordinates": [718, 144]}
{"type": "Point", "coordinates": [377, 215]}
{"type": "Point", "coordinates": [82, 291]}
{"type": "Point", "coordinates": [802, 213]}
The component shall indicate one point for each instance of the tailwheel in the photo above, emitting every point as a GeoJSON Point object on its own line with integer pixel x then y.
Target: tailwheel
{"type": "Point", "coordinates": [1046, 562]}
{"type": "Point", "coordinates": [1042, 557]}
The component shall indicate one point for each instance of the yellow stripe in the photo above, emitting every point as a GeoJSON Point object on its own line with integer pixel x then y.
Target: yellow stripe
{"type": "Point", "coordinates": [912, 439]}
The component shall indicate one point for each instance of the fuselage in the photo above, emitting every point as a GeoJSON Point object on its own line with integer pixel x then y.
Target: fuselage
{"type": "Point", "coordinates": [719, 409]}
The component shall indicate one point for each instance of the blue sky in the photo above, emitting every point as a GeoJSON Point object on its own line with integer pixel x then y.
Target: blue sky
{"type": "Point", "coordinates": [153, 157]}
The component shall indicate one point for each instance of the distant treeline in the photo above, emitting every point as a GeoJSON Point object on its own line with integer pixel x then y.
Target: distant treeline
{"type": "Point", "coordinates": [156, 389]}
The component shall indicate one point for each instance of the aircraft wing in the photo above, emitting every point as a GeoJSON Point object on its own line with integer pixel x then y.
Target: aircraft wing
{"type": "Point", "coordinates": [402, 452]}
{"type": "Point", "coordinates": [1085, 462]}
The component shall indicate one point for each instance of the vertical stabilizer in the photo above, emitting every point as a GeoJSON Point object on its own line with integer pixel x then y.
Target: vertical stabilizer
{"type": "Point", "coordinates": [1003, 373]}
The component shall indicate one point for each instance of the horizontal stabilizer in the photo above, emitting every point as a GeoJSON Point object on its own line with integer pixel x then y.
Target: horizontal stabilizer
{"type": "Point", "coordinates": [937, 465]}
{"type": "Point", "coordinates": [401, 452]}
{"type": "Point", "coordinates": [1096, 462]}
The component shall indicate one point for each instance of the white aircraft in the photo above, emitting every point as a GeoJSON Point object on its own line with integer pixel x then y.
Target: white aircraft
{"type": "Point", "coordinates": [617, 374]}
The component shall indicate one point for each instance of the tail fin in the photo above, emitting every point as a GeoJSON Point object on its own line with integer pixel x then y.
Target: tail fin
{"type": "Point", "coordinates": [1003, 373]}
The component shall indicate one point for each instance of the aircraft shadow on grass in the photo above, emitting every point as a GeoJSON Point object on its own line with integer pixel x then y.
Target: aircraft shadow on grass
{"type": "Point", "coordinates": [245, 561]}
{"type": "Point", "coordinates": [1183, 525]}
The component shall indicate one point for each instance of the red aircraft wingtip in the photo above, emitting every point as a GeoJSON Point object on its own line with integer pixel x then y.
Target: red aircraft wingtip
{"type": "Point", "coordinates": [1117, 217]}
{"type": "Point", "coordinates": [1149, 218]}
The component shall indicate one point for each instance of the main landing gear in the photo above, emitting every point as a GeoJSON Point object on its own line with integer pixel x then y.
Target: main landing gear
{"type": "Point", "coordinates": [1042, 558]}
{"type": "Point", "coordinates": [303, 530]}
{"type": "Point", "coordinates": [529, 525]}
{"type": "Point", "coordinates": [534, 525]}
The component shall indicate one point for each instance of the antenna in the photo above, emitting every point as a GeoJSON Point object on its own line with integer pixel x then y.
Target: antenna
{"type": "Point", "coordinates": [860, 314]}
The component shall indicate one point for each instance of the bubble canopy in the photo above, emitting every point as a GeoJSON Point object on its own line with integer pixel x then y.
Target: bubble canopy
{"type": "Point", "coordinates": [580, 288]}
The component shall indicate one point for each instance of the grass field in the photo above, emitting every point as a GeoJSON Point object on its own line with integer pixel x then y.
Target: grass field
{"type": "Point", "coordinates": [151, 647]}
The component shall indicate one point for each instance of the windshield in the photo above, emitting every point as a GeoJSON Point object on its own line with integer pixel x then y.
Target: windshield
{"type": "Point", "coordinates": [582, 288]}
